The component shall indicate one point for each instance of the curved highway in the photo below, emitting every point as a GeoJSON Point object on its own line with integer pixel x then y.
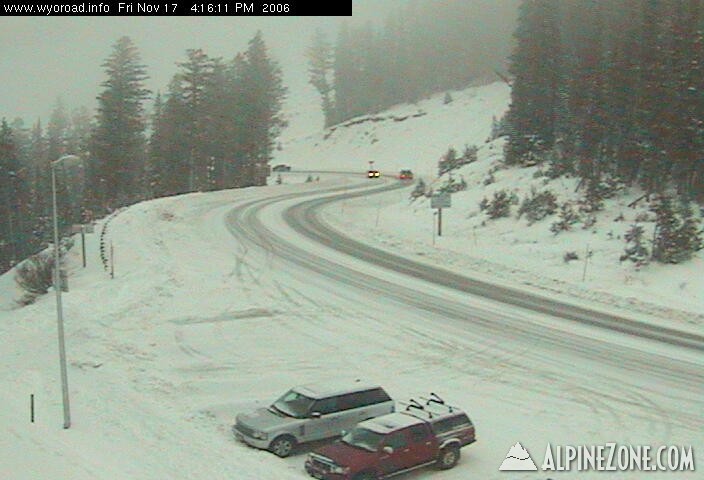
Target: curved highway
{"type": "Point", "coordinates": [542, 344]}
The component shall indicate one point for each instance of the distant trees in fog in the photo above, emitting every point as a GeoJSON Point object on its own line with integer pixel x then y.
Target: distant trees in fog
{"type": "Point", "coordinates": [611, 90]}
{"type": "Point", "coordinates": [424, 48]}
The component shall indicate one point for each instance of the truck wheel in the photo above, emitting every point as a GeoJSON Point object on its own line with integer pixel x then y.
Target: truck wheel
{"type": "Point", "coordinates": [282, 446]}
{"type": "Point", "coordinates": [448, 457]}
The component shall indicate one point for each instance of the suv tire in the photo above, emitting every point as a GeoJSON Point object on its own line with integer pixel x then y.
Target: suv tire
{"type": "Point", "coordinates": [282, 446]}
{"type": "Point", "coordinates": [449, 456]}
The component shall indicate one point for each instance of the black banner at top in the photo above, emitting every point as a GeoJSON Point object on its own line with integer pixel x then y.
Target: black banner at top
{"type": "Point", "coordinates": [264, 8]}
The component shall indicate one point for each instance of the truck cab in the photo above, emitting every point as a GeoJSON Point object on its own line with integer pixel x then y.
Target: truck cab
{"type": "Point", "coordinates": [419, 436]}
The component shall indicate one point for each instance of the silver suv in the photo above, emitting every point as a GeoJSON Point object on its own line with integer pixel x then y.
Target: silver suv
{"type": "Point", "coordinates": [310, 412]}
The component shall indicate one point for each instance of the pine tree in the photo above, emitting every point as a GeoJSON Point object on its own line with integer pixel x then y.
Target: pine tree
{"type": "Point", "coordinates": [79, 131]}
{"type": "Point", "coordinates": [263, 93]}
{"type": "Point", "coordinates": [58, 131]}
{"type": "Point", "coordinates": [168, 146]}
{"type": "Point", "coordinates": [344, 76]}
{"type": "Point", "coordinates": [118, 144]}
{"type": "Point", "coordinates": [39, 185]}
{"type": "Point", "coordinates": [635, 251]}
{"type": "Point", "coordinates": [15, 225]}
{"type": "Point", "coordinates": [685, 108]}
{"type": "Point", "coordinates": [195, 77]}
{"type": "Point", "coordinates": [448, 162]}
{"type": "Point", "coordinates": [665, 242]}
{"type": "Point", "coordinates": [621, 87]}
{"type": "Point", "coordinates": [689, 235]}
{"type": "Point", "coordinates": [536, 68]}
{"type": "Point", "coordinates": [320, 60]}
{"type": "Point", "coordinates": [235, 130]}
{"type": "Point", "coordinates": [650, 115]}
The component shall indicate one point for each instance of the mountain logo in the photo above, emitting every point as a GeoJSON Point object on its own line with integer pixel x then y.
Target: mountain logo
{"type": "Point", "coordinates": [518, 459]}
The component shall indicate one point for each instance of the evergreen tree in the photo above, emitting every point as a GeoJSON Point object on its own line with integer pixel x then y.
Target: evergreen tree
{"type": "Point", "coordinates": [650, 116]}
{"type": "Point", "coordinates": [58, 131]}
{"type": "Point", "coordinates": [79, 131]}
{"type": "Point", "coordinates": [621, 79]}
{"type": "Point", "coordinates": [262, 97]}
{"type": "Point", "coordinates": [344, 76]}
{"type": "Point", "coordinates": [536, 68]}
{"type": "Point", "coordinates": [635, 251]}
{"type": "Point", "coordinates": [39, 184]}
{"type": "Point", "coordinates": [156, 147]}
{"type": "Point", "coordinates": [15, 215]}
{"type": "Point", "coordinates": [677, 234]}
{"type": "Point", "coordinates": [223, 130]}
{"type": "Point", "coordinates": [169, 147]}
{"type": "Point", "coordinates": [235, 129]}
{"type": "Point", "coordinates": [689, 235]}
{"type": "Point", "coordinates": [320, 57]}
{"type": "Point", "coordinates": [195, 77]}
{"type": "Point", "coordinates": [117, 162]}
{"type": "Point", "coordinates": [684, 109]}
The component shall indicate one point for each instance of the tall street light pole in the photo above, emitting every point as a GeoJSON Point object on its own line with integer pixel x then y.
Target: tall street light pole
{"type": "Point", "coordinates": [57, 289]}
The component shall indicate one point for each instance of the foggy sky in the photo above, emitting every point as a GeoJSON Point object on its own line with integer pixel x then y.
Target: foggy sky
{"type": "Point", "coordinates": [44, 57]}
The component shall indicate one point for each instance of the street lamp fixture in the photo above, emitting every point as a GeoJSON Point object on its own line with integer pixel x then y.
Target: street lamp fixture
{"type": "Point", "coordinates": [57, 289]}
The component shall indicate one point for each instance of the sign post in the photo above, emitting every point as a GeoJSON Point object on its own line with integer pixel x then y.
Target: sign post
{"type": "Point", "coordinates": [82, 229]}
{"type": "Point", "coordinates": [440, 201]}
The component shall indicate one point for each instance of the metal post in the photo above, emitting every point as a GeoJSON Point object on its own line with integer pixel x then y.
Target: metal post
{"type": "Point", "coordinates": [59, 308]}
{"type": "Point", "coordinates": [83, 244]}
{"type": "Point", "coordinates": [439, 222]}
{"type": "Point", "coordinates": [434, 215]}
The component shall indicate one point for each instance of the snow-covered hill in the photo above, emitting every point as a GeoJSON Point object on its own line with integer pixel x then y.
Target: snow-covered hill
{"type": "Point", "coordinates": [504, 250]}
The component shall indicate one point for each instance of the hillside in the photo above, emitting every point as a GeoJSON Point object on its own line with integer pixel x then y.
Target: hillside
{"type": "Point", "coordinates": [507, 250]}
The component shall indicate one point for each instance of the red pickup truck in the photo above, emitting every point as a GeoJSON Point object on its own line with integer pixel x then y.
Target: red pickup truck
{"type": "Point", "coordinates": [421, 435]}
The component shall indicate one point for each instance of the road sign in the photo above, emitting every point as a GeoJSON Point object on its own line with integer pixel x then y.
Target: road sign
{"type": "Point", "coordinates": [441, 200]}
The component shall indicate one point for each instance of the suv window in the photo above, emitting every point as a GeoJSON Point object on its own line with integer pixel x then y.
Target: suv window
{"type": "Point", "coordinates": [351, 400]}
{"type": "Point", "coordinates": [294, 404]}
{"type": "Point", "coordinates": [362, 399]}
{"type": "Point", "coordinates": [325, 405]}
{"type": "Point", "coordinates": [448, 424]}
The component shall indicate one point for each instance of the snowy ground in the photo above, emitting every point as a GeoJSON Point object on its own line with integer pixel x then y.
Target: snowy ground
{"type": "Point", "coordinates": [197, 326]}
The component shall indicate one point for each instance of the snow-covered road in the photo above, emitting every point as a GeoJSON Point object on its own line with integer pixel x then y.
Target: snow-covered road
{"type": "Point", "coordinates": [219, 305]}
{"type": "Point", "coordinates": [633, 388]}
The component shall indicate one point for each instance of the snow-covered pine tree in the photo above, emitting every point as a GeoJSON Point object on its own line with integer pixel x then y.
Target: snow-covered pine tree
{"type": "Point", "coordinates": [448, 162]}
{"type": "Point", "coordinates": [635, 250]}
